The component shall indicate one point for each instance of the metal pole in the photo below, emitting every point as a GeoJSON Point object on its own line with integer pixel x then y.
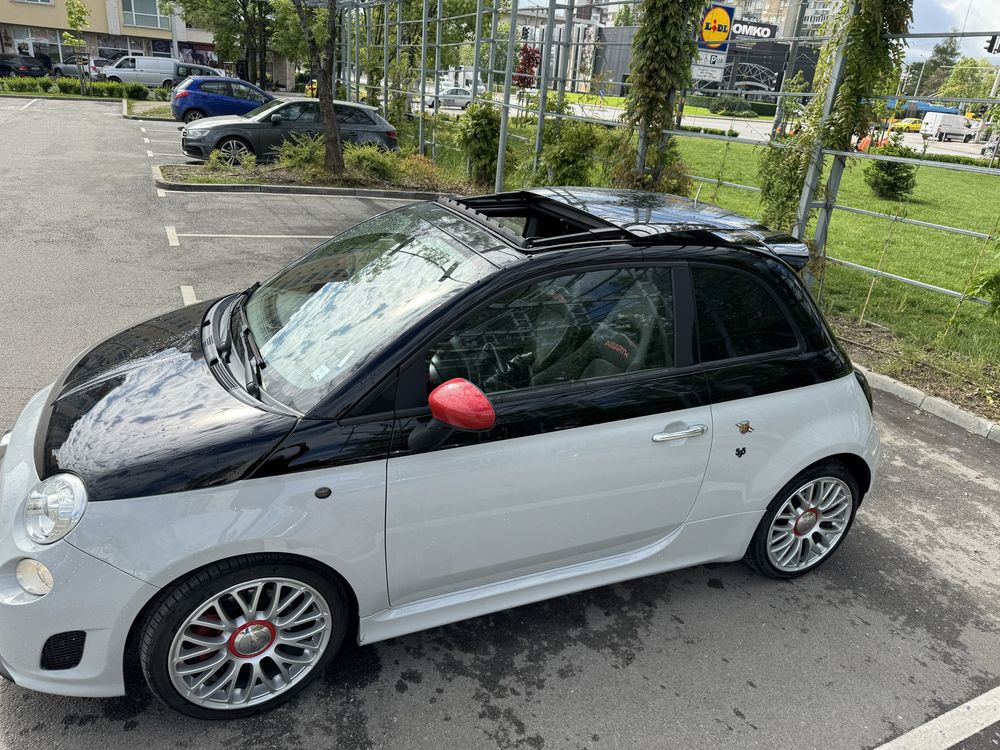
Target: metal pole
{"type": "Point", "coordinates": [815, 169]}
{"type": "Point", "coordinates": [357, 53]}
{"type": "Point", "coordinates": [789, 72]}
{"type": "Point", "coordinates": [920, 77]}
{"type": "Point", "coordinates": [368, 50]}
{"type": "Point", "coordinates": [505, 110]}
{"type": "Point", "coordinates": [437, 79]}
{"type": "Point", "coordinates": [543, 85]}
{"type": "Point", "coordinates": [476, 47]}
{"type": "Point", "coordinates": [493, 49]}
{"type": "Point", "coordinates": [566, 41]}
{"type": "Point", "coordinates": [423, 76]}
{"type": "Point", "coordinates": [385, 59]}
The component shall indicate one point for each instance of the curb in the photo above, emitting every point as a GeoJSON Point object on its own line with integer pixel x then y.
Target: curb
{"type": "Point", "coordinates": [127, 116]}
{"type": "Point", "coordinates": [165, 184]}
{"type": "Point", "coordinates": [940, 408]}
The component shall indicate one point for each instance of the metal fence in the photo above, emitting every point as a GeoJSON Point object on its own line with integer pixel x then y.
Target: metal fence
{"type": "Point", "coordinates": [405, 58]}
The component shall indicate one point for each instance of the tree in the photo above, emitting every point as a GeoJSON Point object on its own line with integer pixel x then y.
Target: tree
{"type": "Point", "coordinates": [78, 19]}
{"type": "Point", "coordinates": [970, 78]}
{"type": "Point", "coordinates": [932, 73]}
{"type": "Point", "coordinates": [624, 17]}
{"type": "Point", "coordinates": [889, 179]}
{"type": "Point", "coordinates": [322, 51]}
{"type": "Point", "coordinates": [528, 60]}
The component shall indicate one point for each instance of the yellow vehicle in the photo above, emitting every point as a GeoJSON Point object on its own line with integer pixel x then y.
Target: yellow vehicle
{"type": "Point", "coordinates": [909, 125]}
{"type": "Point", "coordinates": [311, 88]}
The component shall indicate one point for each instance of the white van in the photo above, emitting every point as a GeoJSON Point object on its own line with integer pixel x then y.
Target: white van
{"type": "Point", "coordinates": [154, 71]}
{"type": "Point", "coordinates": [945, 127]}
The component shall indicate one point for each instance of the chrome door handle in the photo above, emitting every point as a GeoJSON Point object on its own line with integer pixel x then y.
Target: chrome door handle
{"type": "Point", "coordinates": [695, 431]}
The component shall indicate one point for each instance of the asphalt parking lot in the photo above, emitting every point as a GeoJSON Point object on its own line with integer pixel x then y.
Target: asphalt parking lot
{"type": "Point", "coordinates": [901, 626]}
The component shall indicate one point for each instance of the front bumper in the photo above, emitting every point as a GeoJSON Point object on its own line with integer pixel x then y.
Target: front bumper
{"type": "Point", "coordinates": [88, 594]}
{"type": "Point", "coordinates": [196, 149]}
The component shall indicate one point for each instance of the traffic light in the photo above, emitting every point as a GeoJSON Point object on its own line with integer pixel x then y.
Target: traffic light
{"type": "Point", "coordinates": [993, 45]}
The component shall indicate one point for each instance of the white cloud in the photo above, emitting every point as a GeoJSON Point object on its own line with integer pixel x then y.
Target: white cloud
{"type": "Point", "coordinates": [944, 15]}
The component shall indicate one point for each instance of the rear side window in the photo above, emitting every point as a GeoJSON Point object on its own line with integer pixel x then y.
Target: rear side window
{"type": "Point", "coordinates": [215, 87]}
{"type": "Point", "coordinates": [352, 116]}
{"type": "Point", "coordinates": [737, 316]}
{"type": "Point", "coordinates": [185, 84]}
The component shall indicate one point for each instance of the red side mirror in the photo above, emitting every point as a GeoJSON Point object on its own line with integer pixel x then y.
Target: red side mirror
{"type": "Point", "coordinates": [459, 404]}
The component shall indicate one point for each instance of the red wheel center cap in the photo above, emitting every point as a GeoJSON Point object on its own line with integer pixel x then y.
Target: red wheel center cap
{"type": "Point", "coordinates": [806, 522]}
{"type": "Point", "coordinates": [251, 639]}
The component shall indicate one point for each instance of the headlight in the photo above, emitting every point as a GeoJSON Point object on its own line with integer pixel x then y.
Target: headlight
{"type": "Point", "coordinates": [54, 507]}
{"type": "Point", "coordinates": [195, 134]}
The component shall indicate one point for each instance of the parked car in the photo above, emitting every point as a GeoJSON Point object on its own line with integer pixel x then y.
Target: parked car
{"type": "Point", "coordinates": [450, 97]}
{"type": "Point", "coordinates": [431, 417]}
{"type": "Point", "coordinates": [154, 71]}
{"type": "Point", "coordinates": [989, 150]}
{"type": "Point", "coordinates": [907, 125]}
{"type": "Point", "coordinates": [200, 96]}
{"type": "Point", "coordinates": [20, 66]}
{"type": "Point", "coordinates": [946, 127]}
{"type": "Point", "coordinates": [261, 131]}
{"type": "Point", "coordinates": [91, 66]}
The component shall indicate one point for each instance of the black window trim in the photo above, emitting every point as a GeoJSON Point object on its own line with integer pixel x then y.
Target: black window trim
{"type": "Point", "coordinates": [716, 364]}
{"type": "Point", "coordinates": [684, 321]}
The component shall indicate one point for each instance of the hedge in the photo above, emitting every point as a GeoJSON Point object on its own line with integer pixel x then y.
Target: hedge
{"type": "Point", "coordinates": [761, 108]}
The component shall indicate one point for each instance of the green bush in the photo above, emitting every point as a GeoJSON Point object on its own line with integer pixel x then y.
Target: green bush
{"type": "Point", "coordinates": [67, 85]}
{"type": "Point", "coordinates": [161, 94]}
{"type": "Point", "coordinates": [110, 89]}
{"type": "Point", "coordinates": [742, 105]}
{"type": "Point", "coordinates": [302, 151]}
{"type": "Point", "coordinates": [22, 85]}
{"type": "Point", "coordinates": [479, 135]}
{"type": "Point", "coordinates": [725, 104]}
{"type": "Point", "coordinates": [137, 91]}
{"type": "Point", "coordinates": [892, 180]}
{"type": "Point", "coordinates": [567, 158]}
{"type": "Point", "coordinates": [371, 161]}
{"type": "Point", "coordinates": [248, 162]}
{"type": "Point", "coordinates": [215, 163]}
{"type": "Point", "coordinates": [420, 172]}
{"type": "Point", "coordinates": [44, 84]}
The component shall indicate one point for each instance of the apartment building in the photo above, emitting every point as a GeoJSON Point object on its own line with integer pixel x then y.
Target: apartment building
{"type": "Point", "coordinates": [117, 28]}
{"type": "Point", "coordinates": [783, 12]}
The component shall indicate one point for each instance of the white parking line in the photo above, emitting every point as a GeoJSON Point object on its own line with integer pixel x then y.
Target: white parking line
{"type": "Point", "coordinates": [187, 295]}
{"type": "Point", "coordinates": [172, 236]}
{"type": "Point", "coordinates": [143, 129]}
{"type": "Point", "coordinates": [28, 104]}
{"type": "Point", "coordinates": [153, 140]}
{"type": "Point", "coordinates": [156, 153]}
{"type": "Point", "coordinates": [145, 140]}
{"type": "Point", "coordinates": [161, 193]}
{"type": "Point", "coordinates": [952, 727]}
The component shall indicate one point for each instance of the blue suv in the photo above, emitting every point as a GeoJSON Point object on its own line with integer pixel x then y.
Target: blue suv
{"type": "Point", "coordinates": [209, 96]}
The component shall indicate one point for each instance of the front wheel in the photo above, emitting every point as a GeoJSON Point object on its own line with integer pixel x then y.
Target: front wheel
{"type": "Point", "coordinates": [193, 114]}
{"type": "Point", "coordinates": [805, 523]}
{"type": "Point", "coordinates": [967, 139]}
{"type": "Point", "coordinates": [241, 637]}
{"type": "Point", "coordinates": [233, 150]}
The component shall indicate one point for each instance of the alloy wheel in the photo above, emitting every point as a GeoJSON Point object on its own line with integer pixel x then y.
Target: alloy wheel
{"type": "Point", "coordinates": [249, 643]}
{"type": "Point", "coordinates": [809, 524]}
{"type": "Point", "coordinates": [193, 115]}
{"type": "Point", "coordinates": [233, 151]}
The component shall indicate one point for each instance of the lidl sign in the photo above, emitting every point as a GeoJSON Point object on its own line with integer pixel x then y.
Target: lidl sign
{"type": "Point", "coordinates": [716, 27]}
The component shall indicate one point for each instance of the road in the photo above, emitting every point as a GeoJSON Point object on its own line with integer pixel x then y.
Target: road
{"type": "Point", "coordinates": [902, 625]}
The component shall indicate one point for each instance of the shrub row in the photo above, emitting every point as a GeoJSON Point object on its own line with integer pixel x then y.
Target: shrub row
{"type": "Point", "coordinates": [67, 85]}
{"type": "Point", "coordinates": [711, 131]}
{"type": "Point", "coordinates": [761, 108]}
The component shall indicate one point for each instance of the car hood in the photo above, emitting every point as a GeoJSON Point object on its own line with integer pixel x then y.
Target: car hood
{"type": "Point", "coordinates": [223, 121]}
{"type": "Point", "coordinates": [142, 414]}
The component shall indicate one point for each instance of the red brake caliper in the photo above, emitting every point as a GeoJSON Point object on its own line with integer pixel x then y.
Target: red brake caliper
{"type": "Point", "coordinates": [202, 630]}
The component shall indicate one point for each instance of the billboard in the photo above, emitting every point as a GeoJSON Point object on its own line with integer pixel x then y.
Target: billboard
{"type": "Point", "coordinates": [716, 27]}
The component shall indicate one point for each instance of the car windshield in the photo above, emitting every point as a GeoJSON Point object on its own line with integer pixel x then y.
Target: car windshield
{"type": "Point", "coordinates": [263, 108]}
{"type": "Point", "coordinates": [319, 320]}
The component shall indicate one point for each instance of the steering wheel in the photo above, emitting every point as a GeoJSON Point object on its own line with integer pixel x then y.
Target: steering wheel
{"type": "Point", "coordinates": [625, 339]}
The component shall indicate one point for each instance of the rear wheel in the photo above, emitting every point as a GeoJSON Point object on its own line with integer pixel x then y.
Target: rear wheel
{"type": "Point", "coordinates": [241, 636]}
{"type": "Point", "coordinates": [967, 139]}
{"type": "Point", "coordinates": [806, 522]}
{"type": "Point", "coordinates": [168, 84]}
{"type": "Point", "coordinates": [114, 79]}
{"type": "Point", "coordinates": [193, 114]}
{"type": "Point", "coordinates": [233, 150]}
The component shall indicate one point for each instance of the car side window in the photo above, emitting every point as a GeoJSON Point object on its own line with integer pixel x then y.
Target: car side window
{"type": "Point", "coordinates": [737, 316]}
{"type": "Point", "coordinates": [215, 87]}
{"type": "Point", "coordinates": [300, 112]}
{"type": "Point", "coordinates": [575, 327]}
{"type": "Point", "coordinates": [127, 63]}
{"type": "Point", "coordinates": [352, 116]}
{"type": "Point", "coordinates": [242, 91]}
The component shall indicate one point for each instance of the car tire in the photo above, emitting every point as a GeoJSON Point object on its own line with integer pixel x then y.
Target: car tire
{"type": "Point", "coordinates": [114, 79]}
{"type": "Point", "coordinates": [966, 139]}
{"type": "Point", "coordinates": [233, 149]}
{"type": "Point", "coordinates": [249, 598]}
{"type": "Point", "coordinates": [806, 522]}
{"type": "Point", "coordinates": [193, 114]}
{"type": "Point", "coordinates": [168, 84]}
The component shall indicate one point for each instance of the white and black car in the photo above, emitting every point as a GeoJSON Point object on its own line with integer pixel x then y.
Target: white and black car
{"type": "Point", "coordinates": [453, 408]}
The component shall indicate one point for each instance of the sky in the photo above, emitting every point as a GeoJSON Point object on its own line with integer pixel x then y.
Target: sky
{"type": "Point", "coordinates": [941, 15]}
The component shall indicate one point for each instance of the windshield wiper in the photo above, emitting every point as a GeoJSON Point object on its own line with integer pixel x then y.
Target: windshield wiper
{"type": "Point", "coordinates": [250, 357]}
{"type": "Point", "coordinates": [225, 344]}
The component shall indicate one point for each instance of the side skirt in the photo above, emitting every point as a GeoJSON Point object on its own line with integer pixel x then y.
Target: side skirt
{"type": "Point", "coordinates": [721, 539]}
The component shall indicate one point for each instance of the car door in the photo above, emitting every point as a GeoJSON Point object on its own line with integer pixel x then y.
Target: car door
{"type": "Point", "coordinates": [247, 97]}
{"type": "Point", "coordinates": [353, 122]}
{"type": "Point", "coordinates": [601, 440]}
{"type": "Point", "coordinates": [214, 98]}
{"type": "Point", "coordinates": [297, 118]}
